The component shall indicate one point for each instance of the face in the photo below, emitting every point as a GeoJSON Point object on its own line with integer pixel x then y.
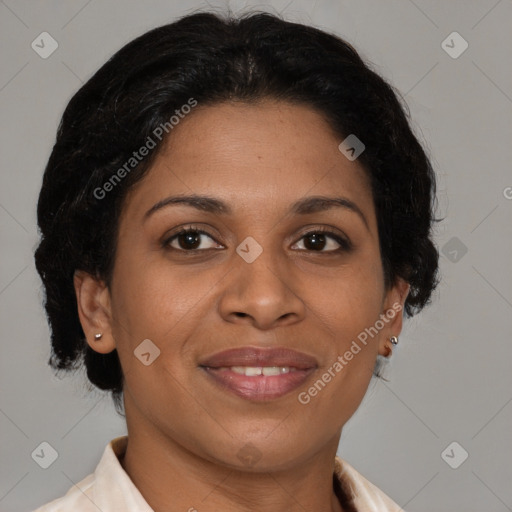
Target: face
{"type": "Point", "coordinates": [289, 282]}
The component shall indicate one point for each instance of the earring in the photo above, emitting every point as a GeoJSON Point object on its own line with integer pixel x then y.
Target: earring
{"type": "Point", "coordinates": [394, 341]}
{"type": "Point", "coordinates": [98, 336]}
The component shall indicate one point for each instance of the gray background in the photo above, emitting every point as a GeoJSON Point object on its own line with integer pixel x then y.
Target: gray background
{"type": "Point", "coordinates": [450, 377]}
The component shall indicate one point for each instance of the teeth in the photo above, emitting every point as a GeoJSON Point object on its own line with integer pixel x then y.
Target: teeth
{"type": "Point", "coordinates": [251, 371]}
{"type": "Point", "coordinates": [238, 369]}
{"type": "Point", "coordinates": [272, 370]}
{"type": "Point", "coordinates": [267, 371]}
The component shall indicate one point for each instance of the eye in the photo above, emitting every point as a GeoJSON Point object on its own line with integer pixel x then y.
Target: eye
{"type": "Point", "coordinates": [321, 239]}
{"type": "Point", "coordinates": [190, 239]}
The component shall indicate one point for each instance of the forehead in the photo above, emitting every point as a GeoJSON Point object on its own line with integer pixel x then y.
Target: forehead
{"type": "Point", "coordinates": [259, 155]}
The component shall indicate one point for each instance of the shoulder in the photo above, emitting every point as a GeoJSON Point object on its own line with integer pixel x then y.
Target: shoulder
{"type": "Point", "coordinates": [79, 497]}
{"type": "Point", "coordinates": [105, 489]}
{"type": "Point", "coordinates": [365, 495]}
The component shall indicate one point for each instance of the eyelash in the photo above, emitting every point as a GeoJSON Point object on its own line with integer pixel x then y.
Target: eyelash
{"type": "Point", "coordinates": [345, 245]}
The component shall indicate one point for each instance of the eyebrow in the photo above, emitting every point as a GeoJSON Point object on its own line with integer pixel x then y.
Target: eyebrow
{"type": "Point", "coordinates": [307, 206]}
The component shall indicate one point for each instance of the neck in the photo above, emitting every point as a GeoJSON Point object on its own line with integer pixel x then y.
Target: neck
{"type": "Point", "coordinates": [171, 477]}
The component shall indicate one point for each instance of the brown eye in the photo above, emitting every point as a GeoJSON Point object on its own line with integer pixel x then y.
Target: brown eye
{"type": "Point", "coordinates": [190, 240]}
{"type": "Point", "coordinates": [315, 241]}
{"type": "Point", "coordinates": [324, 241]}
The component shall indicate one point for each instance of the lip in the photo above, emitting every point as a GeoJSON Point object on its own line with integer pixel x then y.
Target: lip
{"type": "Point", "coordinates": [259, 388]}
{"type": "Point", "coordinates": [257, 356]}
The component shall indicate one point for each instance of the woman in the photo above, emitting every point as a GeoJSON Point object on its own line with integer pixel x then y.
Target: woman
{"type": "Point", "coordinates": [234, 220]}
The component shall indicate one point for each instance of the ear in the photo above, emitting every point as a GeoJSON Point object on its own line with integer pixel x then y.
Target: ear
{"type": "Point", "coordinates": [392, 314]}
{"type": "Point", "coordinates": [94, 311]}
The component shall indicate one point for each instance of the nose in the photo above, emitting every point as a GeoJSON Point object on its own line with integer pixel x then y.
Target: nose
{"type": "Point", "coordinates": [261, 293]}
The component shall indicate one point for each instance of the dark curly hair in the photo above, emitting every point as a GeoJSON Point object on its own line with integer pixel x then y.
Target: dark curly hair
{"type": "Point", "coordinates": [212, 59]}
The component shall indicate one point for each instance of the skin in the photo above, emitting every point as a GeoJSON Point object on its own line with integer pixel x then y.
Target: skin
{"type": "Point", "coordinates": [184, 431]}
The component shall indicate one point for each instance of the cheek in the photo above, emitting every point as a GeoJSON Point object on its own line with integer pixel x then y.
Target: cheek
{"type": "Point", "coordinates": [158, 300]}
{"type": "Point", "coordinates": [348, 305]}
{"type": "Point", "coordinates": [347, 298]}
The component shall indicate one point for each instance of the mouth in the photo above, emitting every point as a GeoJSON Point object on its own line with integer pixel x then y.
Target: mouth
{"type": "Point", "coordinates": [259, 374]}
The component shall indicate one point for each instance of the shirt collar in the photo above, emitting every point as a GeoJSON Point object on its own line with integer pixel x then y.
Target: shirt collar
{"type": "Point", "coordinates": [114, 490]}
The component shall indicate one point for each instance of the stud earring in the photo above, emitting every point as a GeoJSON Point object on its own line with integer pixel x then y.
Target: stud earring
{"type": "Point", "coordinates": [98, 336]}
{"type": "Point", "coordinates": [394, 340]}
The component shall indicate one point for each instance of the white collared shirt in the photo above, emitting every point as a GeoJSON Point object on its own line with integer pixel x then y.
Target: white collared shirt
{"type": "Point", "coordinates": [110, 489]}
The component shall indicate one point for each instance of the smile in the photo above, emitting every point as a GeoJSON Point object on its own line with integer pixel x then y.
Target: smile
{"type": "Point", "coordinates": [258, 374]}
{"type": "Point", "coordinates": [258, 384]}
{"type": "Point", "coordinates": [253, 371]}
